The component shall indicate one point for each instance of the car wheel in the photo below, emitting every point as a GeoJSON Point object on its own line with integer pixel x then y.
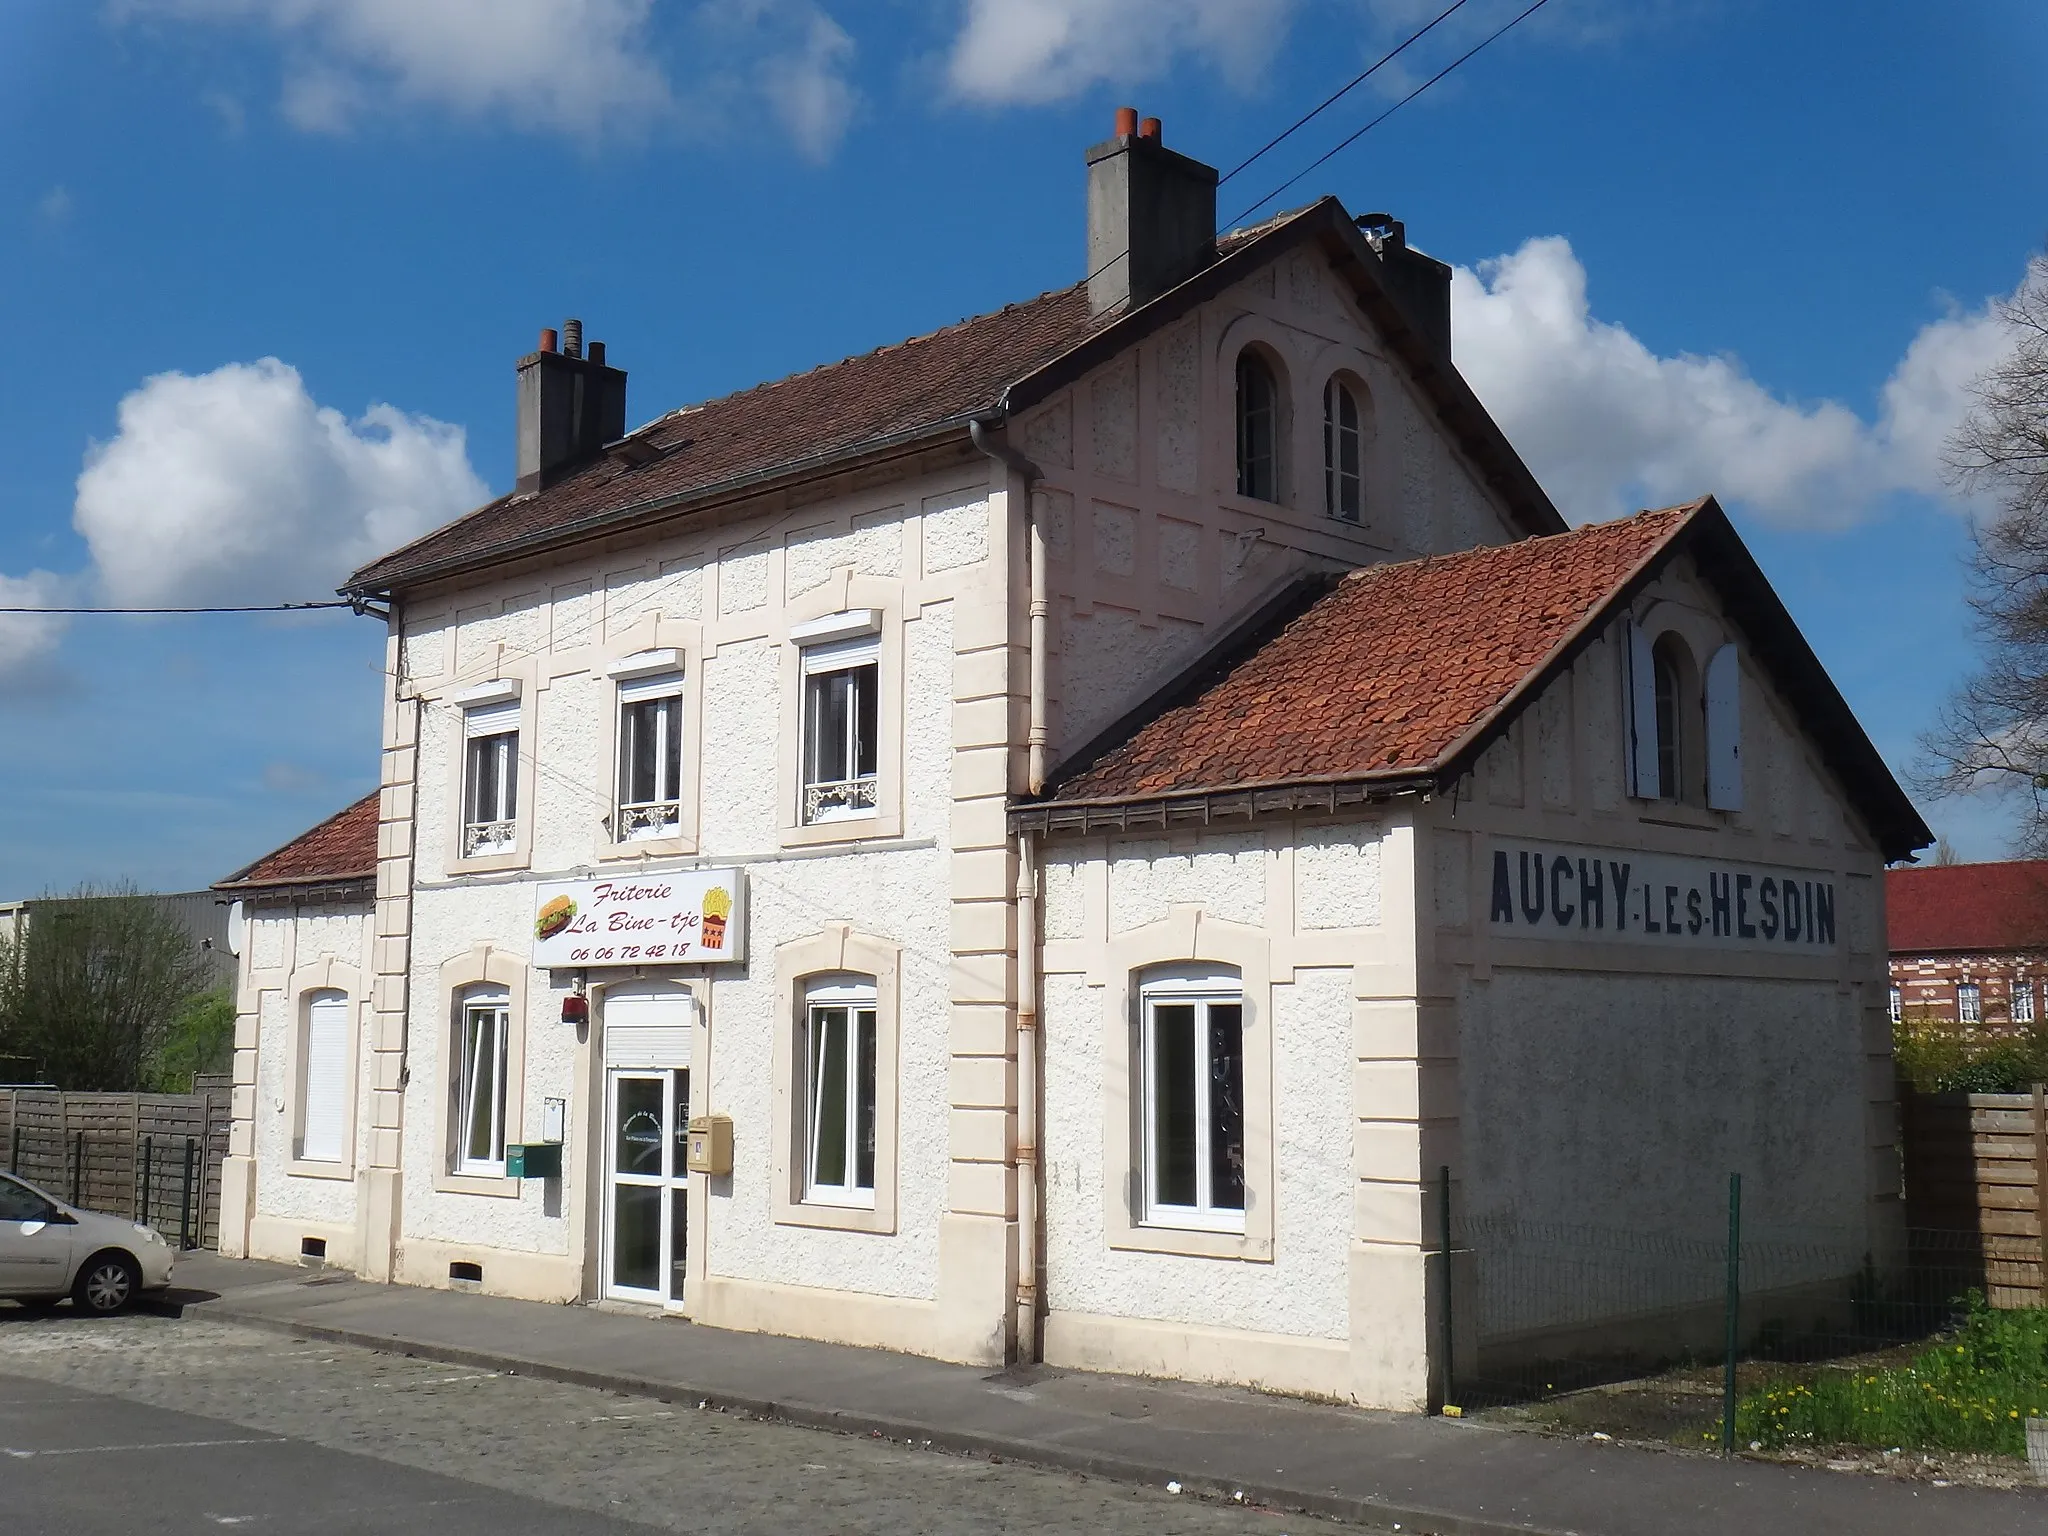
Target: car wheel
{"type": "Point", "coordinates": [106, 1284]}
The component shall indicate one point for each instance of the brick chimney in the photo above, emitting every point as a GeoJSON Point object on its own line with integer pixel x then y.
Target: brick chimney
{"type": "Point", "coordinates": [570, 406]}
{"type": "Point", "coordinates": [1151, 216]}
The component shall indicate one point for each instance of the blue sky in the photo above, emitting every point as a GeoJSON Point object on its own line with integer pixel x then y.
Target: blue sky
{"type": "Point", "coordinates": [1707, 245]}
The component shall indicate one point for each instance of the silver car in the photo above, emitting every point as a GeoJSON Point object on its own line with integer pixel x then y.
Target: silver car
{"type": "Point", "coordinates": [49, 1250]}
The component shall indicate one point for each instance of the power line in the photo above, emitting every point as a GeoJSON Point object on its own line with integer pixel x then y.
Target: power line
{"type": "Point", "coordinates": [244, 608]}
{"type": "Point", "coordinates": [1490, 38]}
{"type": "Point", "coordinates": [1331, 100]}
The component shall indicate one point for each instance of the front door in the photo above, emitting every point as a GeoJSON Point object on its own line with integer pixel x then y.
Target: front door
{"type": "Point", "coordinates": [647, 1184]}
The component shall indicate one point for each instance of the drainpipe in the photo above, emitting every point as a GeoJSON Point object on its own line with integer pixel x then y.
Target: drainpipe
{"type": "Point", "coordinates": [988, 436]}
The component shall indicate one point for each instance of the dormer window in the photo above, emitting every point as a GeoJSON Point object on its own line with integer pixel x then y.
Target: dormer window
{"type": "Point", "coordinates": [1258, 429]}
{"type": "Point", "coordinates": [1343, 452]}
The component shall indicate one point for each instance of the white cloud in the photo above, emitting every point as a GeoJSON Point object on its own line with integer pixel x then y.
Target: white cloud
{"type": "Point", "coordinates": [56, 205]}
{"type": "Point", "coordinates": [29, 638]}
{"type": "Point", "coordinates": [1045, 50]}
{"type": "Point", "coordinates": [1607, 425]}
{"type": "Point", "coordinates": [582, 67]}
{"type": "Point", "coordinates": [235, 486]}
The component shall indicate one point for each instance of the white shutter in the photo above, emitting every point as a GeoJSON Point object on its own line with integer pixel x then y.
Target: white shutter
{"type": "Point", "coordinates": [1641, 732]}
{"type": "Point", "coordinates": [491, 719]}
{"type": "Point", "coordinates": [648, 1028]}
{"type": "Point", "coordinates": [326, 1078]}
{"type": "Point", "coordinates": [1724, 730]}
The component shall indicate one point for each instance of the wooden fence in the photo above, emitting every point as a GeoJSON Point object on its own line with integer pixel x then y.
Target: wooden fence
{"type": "Point", "coordinates": [153, 1157]}
{"type": "Point", "coordinates": [1975, 1165]}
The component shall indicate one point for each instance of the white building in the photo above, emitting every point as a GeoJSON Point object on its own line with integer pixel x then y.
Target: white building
{"type": "Point", "coordinates": [979, 791]}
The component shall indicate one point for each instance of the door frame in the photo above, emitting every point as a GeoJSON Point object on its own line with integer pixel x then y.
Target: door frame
{"type": "Point", "coordinates": [675, 1117]}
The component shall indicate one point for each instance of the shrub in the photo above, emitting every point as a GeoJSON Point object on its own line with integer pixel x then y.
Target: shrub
{"type": "Point", "coordinates": [1973, 1391]}
{"type": "Point", "coordinates": [1935, 1056]}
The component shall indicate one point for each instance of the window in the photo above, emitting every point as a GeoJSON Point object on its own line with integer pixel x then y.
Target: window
{"type": "Point", "coordinates": [841, 740]}
{"type": "Point", "coordinates": [1898, 1005]}
{"type": "Point", "coordinates": [480, 1131]}
{"type": "Point", "coordinates": [1258, 429]}
{"type": "Point", "coordinates": [20, 1203]}
{"type": "Point", "coordinates": [490, 793]}
{"type": "Point", "coordinates": [1343, 453]}
{"type": "Point", "coordinates": [1969, 1003]}
{"type": "Point", "coordinates": [839, 1091]}
{"type": "Point", "coordinates": [1670, 683]}
{"type": "Point", "coordinates": [1192, 1138]}
{"type": "Point", "coordinates": [650, 758]}
{"type": "Point", "coordinates": [2023, 1001]}
{"type": "Point", "coordinates": [323, 1111]}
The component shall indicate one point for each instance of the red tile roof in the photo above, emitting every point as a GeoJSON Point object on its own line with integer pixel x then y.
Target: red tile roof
{"type": "Point", "coordinates": [342, 848]}
{"type": "Point", "coordinates": [921, 389]}
{"type": "Point", "coordinates": [1390, 673]}
{"type": "Point", "coordinates": [1946, 908]}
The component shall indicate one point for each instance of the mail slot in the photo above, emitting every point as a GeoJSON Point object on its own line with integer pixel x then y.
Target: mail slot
{"type": "Point", "coordinates": [711, 1144]}
{"type": "Point", "coordinates": [533, 1160]}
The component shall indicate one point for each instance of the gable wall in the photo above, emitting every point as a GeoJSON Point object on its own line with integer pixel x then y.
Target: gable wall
{"type": "Point", "coordinates": [1150, 547]}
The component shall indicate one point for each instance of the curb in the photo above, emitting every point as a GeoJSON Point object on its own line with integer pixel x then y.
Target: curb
{"type": "Point", "coordinates": [1357, 1510]}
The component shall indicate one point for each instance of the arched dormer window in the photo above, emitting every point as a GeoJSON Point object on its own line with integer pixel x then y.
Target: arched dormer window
{"type": "Point", "coordinates": [1668, 666]}
{"type": "Point", "coordinates": [1258, 428]}
{"type": "Point", "coordinates": [1343, 452]}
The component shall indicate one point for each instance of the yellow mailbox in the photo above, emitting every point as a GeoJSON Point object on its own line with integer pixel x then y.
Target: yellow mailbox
{"type": "Point", "coordinates": [711, 1144]}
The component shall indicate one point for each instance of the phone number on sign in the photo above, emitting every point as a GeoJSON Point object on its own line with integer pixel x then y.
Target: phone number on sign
{"type": "Point", "coordinates": [630, 952]}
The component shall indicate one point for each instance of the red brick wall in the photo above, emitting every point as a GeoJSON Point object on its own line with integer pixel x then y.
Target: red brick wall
{"type": "Point", "coordinates": [1927, 984]}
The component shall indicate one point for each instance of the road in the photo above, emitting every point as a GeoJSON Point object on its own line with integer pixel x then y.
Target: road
{"type": "Point", "coordinates": [154, 1424]}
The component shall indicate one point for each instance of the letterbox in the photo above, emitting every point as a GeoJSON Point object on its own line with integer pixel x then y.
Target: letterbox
{"type": "Point", "coordinates": [711, 1144]}
{"type": "Point", "coordinates": [533, 1160]}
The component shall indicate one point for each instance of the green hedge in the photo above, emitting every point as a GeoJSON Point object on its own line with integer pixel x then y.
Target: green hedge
{"type": "Point", "coordinates": [1936, 1056]}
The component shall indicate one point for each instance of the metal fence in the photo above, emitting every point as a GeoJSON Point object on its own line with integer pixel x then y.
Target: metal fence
{"type": "Point", "coordinates": [154, 1158]}
{"type": "Point", "coordinates": [1532, 1310]}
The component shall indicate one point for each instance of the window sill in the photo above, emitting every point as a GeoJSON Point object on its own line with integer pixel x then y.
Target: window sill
{"type": "Point", "coordinates": [484, 863]}
{"type": "Point", "coordinates": [879, 1218]}
{"type": "Point", "coordinates": [1675, 813]}
{"type": "Point", "coordinates": [495, 1186]}
{"type": "Point", "coordinates": [305, 1168]}
{"type": "Point", "coordinates": [1194, 1242]}
{"type": "Point", "coordinates": [683, 843]}
{"type": "Point", "coordinates": [853, 829]}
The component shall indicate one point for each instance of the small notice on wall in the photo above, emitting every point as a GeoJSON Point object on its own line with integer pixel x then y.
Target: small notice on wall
{"type": "Point", "coordinates": [694, 917]}
{"type": "Point", "coordinates": [1543, 891]}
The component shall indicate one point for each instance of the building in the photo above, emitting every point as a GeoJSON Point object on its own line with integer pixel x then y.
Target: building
{"type": "Point", "coordinates": [1042, 841]}
{"type": "Point", "coordinates": [1969, 942]}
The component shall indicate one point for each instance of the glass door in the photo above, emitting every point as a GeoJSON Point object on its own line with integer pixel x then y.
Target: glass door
{"type": "Point", "coordinates": [647, 1184]}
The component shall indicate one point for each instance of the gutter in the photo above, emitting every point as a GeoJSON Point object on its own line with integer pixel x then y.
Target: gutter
{"type": "Point", "coordinates": [1200, 807]}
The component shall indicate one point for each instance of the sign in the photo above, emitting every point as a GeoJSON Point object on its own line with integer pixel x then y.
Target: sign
{"type": "Point", "coordinates": [1544, 891]}
{"type": "Point", "coordinates": [693, 917]}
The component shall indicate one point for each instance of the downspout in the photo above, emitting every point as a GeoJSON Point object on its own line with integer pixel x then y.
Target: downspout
{"type": "Point", "coordinates": [989, 437]}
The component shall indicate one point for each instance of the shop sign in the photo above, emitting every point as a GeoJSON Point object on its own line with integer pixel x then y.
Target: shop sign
{"type": "Point", "coordinates": [693, 917]}
{"type": "Point", "coordinates": [1544, 891]}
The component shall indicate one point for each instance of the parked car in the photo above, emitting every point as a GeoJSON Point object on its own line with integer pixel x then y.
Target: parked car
{"type": "Point", "coordinates": [49, 1250]}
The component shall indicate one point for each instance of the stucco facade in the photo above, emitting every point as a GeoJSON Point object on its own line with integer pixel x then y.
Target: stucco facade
{"type": "Point", "coordinates": [1156, 1077]}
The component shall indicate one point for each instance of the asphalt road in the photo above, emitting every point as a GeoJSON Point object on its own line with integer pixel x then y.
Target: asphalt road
{"type": "Point", "coordinates": [152, 1424]}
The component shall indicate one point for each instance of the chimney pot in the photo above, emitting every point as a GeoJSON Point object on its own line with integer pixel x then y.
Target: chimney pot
{"type": "Point", "coordinates": [1150, 129]}
{"type": "Point", "coordinates": [572, 338]}
{"type": "Point", "coordinates": [597, 353]}
{"type": "Point", "coordinates": [547, 338]}
{"type": "Point", "coordinates": [1126, 122]}
{"type": "Point", "coordinates": [570, 406]}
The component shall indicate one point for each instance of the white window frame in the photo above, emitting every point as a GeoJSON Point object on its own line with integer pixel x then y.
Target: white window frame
{"type": "Point", "coordinates": [1202, 988]}
{"type": "Point", "coordinates": [1250, 460]}
{"type": "Point", "coordinates": [2022, 1007]}
{"type": "Point", "coordinates": [661, 814]}
{"type": "Point", "coordinates": [325, 1008]}
{"type": "Point", "coordinates": [480, 1070]}
{"type": "Point", "coordinates": [490, 732]}
{"type": "Point", "coordinates": [1337, 437]}
{"type": "Point", "coordinates": [855, 1000]}
{"type": "Point", "coordinates": [852, 795]}
{"type": "Point", "coordinates": [1896, 1005]}
{"type": "Point", "coordinates": [1969, 1003]}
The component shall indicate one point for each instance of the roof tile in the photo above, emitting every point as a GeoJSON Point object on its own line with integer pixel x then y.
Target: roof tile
{"type": "Point", "coordinates": [1946, 908]}
{"type": "Point", "coordinates": [343, 847]}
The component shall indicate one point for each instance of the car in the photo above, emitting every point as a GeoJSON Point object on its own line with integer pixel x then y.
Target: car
{"type": "Point", "coordinates": [50, 1250]}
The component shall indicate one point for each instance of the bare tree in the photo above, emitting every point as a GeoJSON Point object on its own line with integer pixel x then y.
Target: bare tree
{"type": "Point", "coordinates": [1993, 734]}
{"type": "Point", "coordinates": [91, 984]}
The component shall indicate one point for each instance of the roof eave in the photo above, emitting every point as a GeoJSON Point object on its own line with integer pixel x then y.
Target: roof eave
{"type": "Point", "coordinates": [1223, 802]}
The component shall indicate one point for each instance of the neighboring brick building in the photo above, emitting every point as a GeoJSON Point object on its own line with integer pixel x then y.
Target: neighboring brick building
{"type": "Point", "coordinates": [1969, 942]}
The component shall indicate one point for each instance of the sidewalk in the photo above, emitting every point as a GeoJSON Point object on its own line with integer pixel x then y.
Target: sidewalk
{"type": "Point", "coordinates": [1426, 1475]}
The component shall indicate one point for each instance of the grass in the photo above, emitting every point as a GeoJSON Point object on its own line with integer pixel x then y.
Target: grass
{"type": "Point", "coordinates": [1972, 1391]}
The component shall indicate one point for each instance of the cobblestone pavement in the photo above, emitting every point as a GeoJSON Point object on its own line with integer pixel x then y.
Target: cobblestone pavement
{"type": "Point", "coordinates": [666, 1465]}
